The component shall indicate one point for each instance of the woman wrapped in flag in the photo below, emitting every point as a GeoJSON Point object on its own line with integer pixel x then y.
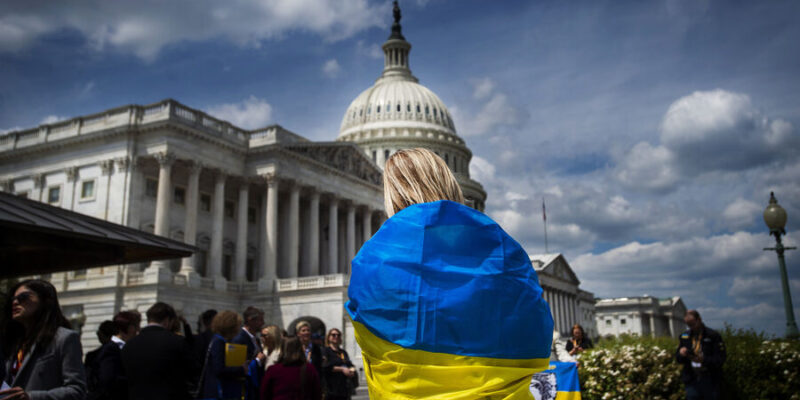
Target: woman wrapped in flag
{"type": "Point", "coordinates": [445, 304]}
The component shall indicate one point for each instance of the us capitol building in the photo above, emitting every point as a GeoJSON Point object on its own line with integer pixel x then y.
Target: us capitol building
{"type": "Point", "coordinates": [276, 217]}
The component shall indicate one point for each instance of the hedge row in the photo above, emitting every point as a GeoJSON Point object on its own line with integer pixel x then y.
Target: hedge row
{"type": "Point", "coordinates": [633, 367]}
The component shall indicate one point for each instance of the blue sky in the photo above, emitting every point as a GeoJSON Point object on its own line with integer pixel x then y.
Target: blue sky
{"type": "Point", "coordinates": [654, 130]}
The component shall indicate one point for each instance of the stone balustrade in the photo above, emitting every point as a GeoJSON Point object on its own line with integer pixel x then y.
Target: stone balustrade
{"type": "Point", "coordinates": [132, 115]}
{"type": "Point", "coordinates": [311, 282]}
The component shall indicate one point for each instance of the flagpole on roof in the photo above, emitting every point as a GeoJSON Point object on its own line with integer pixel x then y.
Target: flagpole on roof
{"type": "Point", "coordinates": [544, 218]}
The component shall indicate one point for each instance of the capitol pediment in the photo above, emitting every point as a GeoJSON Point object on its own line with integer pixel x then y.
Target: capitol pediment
{"type": "Point", "coordinates": [555, 265]}
{"type": "Point", "coordinates": [345, 157]}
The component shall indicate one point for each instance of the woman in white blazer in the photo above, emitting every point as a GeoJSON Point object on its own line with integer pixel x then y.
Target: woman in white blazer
{"type": "Point", "coordinates": [43, 353]}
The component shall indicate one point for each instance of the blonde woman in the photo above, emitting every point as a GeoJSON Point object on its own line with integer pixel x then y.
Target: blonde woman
{"type": "Point", "coordinates": [444, 303]}
{"type": "Point", "coordinates": [312, 352]}
{"type": "Point", "coordinates": [271, 342]}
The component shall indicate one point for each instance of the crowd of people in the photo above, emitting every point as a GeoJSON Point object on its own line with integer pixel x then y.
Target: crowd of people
{"type": "Point", "coordinates": [42, 356]}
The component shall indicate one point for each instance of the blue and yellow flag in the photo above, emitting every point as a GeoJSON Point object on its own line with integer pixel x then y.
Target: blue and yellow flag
{"type": "Point", "coordinates": [558, 382]}
{"type": "Point", "coordinates": [446, 305]}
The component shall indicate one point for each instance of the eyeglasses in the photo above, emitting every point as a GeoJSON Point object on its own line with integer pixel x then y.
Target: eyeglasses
{"type": "Point", "coordinates": [335, 335]}
{"type": "Point", "coordinates": [23, 297]}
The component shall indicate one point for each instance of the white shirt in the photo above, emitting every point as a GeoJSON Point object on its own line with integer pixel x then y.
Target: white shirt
{"type": "Point", "coordinates": [118, 341]}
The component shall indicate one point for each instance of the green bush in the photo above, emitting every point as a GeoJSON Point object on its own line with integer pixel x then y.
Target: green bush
{"type": "Point", "coordinates": [632, 367]}
{"type": "Point", "coordinates": [759, 368]}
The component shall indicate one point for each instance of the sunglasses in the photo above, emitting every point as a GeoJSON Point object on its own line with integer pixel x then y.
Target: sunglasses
{"type": "Point", "coordinates": [335, 334]}
{"type": "Point", "coordinates": [23, 297]}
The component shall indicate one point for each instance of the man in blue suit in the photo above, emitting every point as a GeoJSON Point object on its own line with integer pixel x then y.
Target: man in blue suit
{"type": "Point", "coordinates": [249, 336]}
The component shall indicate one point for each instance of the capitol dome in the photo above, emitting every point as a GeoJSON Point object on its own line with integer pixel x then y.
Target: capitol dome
{"type": "Point", "coordinates": [398, 113]}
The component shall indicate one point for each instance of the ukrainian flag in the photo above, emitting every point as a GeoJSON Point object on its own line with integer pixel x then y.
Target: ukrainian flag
{"type": "Point", "coordinates": [446, 305]}
{"type": "Point", "coordinates": [567, 386]}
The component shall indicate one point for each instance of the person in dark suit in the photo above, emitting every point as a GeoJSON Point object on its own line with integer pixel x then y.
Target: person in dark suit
{"type": "Point", "coordinates": [112, 384]}
{"type": "Point", "coordinates": [159, 364]}
{"type": "Point", "coordinates": [248, 335]}
{"type": "Point", "coordinates": [702, 353]}
{"type": "Point", "coordinates": [44, 354]}
{"type": "Point", "coordinates": [104, 333]}
{"type": "Point", "coordinates": [204, 334]}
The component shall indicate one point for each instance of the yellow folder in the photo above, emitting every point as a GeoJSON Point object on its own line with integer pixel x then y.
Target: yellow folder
{"type": "Point", "coordinates": [235, 355]}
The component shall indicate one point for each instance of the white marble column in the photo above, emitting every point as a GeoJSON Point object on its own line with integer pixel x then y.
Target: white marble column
{"type": "Point", "coordinates": [294, 230]}
{"type": "Point", "coordinates": [240, 273]}
{"type": "Point", "coordinates": [313, 246]}
{"type": "Point", "coordinates": [190, 223]}
{"type": "Point", "coordinates": [572, 312]}
{"type": "Point", "coordinates": [366, 223]}
{"type": "Point", "coordinates": [652, 325]}
{"type": "Point", "coordinates": [69, 187]}
{"type": "Point", "coordinates": [39, 187]}
{"type": "Point", "coordinates": [351, 235]}
{"type": "Point", "coordinates": [161, 225]}
{"type": "Point", "coordinates": [217, 224]}
{"type": "Point", "coordinates": [333, 236]}
{"type": "Point", "coordinates": [381, 159]}
{"type": "Point", "coordinates": [672, 327]}
{"type": "Point", "coordinates": [269, 268]}
{"type": "Point", "coordinates": [560, 311]}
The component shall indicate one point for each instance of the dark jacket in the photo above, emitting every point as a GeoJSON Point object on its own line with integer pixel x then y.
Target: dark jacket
{"type": "Point", "coordinates": [336, 383]}
{"type": "Point", "coordinates": [110, 382]}
{"type": "Point", "coordinates": [159, 365]}
{"type": "Point", "coordinates": [55, 371]}
{"type": "Point", "coordinates": [219, 381]}
{"type": "Point", "coordinates": [201, 342]}
{"type": "Point", "coordinates": [585, 343]}
{"type": "Point", "coordinates": [713, 355]}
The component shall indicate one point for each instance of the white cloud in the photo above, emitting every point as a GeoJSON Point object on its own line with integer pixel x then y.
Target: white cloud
{"type": "Point", "coordinates": [693, 259]}
{"type": "Point", "coordinates": [51, 119]}
{"type": "Point", "coordinates": [331, 68]}
{"type": "Point", "coordinates": [19, 31]}
{"type": "Point", "coordinates": [647, 167]}
{"type": "Point", "coordinates": [145, 28]}
{"type": "Point", "coordinates": [373, 50]}
{"type": "Point", "coordinates": [482, 87]}
{"type": "Point", "coordinates": [741, 213]}
{"type": "Point", "coordinates": [704, 133]}
{"type": "Point", "coordinates": [752, 288]}
{"type": "Point", "coordinates": [721, 130]}
{"type": "Point", "coordinates": [481, 170]}
{"type": "Point", "coordinates": [497, 111]}
{"type": "Point", "coordinates": [250, 113]}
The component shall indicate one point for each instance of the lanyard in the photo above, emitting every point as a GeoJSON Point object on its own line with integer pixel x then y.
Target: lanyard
{"type": "Point", "coordinates": [696, 342]}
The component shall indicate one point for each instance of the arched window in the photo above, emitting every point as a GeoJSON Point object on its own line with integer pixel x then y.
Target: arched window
{"type": "Point", "coordinates": [447, 159]}
{"type": "Point", "coordinates": [427, 111]}
{"type": "Point", "coordinates": [378, 110]}
{"type": "Point", "coordinates": [418, 109]}
{"type": "Point", "coordinates": [408, 107]}
{"type": "Point", "coordinates": [386, 154]}
{"type": "Point", "coordinates": [398, 108]}
{"type": "Point", "coordinates": [360, 112]}
{"type": "Point", "coordinates": [369, 109]}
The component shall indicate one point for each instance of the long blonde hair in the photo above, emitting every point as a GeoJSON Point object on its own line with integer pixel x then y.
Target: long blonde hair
{"type": "Point", "coordinates": [415, 176]}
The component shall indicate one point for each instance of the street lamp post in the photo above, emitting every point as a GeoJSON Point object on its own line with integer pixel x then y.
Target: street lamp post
{"type": "Point", "coordinates": [775, 218]}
